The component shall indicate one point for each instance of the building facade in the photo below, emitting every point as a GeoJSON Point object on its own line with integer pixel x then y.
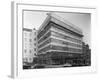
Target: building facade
{"type": "Point", "coordinates": [57, 35]}
{"type": "Point", "coordinates": [29, 45]}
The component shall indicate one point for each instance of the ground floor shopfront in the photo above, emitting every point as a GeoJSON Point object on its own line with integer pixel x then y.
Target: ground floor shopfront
{"type": "Point", "coordinates": [60, 58]}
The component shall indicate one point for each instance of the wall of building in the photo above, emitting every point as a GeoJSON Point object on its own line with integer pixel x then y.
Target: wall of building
{"type": "Point", "coordinates": [61, 35]}
{"type": "Point", "coordinates": [30, 45]}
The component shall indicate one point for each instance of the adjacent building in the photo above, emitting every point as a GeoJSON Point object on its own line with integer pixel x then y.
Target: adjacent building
{"type": "Point", "coordinates": [57, 35]}
{"type": "Point", "coordinates": [29, 45]}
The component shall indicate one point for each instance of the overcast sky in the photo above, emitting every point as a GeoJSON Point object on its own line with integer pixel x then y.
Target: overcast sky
{"type": "Point", "coordinates": [34, 19]}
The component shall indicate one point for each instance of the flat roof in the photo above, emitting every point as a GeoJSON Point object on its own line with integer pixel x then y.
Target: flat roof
{"type": "Point", "coordinates": [61, 21]}
{"type": "Point", "coordinates": [65, 23]}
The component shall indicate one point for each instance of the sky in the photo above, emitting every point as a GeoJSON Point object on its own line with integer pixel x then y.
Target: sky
{"type": "Point", "coordinates": [34, 19]}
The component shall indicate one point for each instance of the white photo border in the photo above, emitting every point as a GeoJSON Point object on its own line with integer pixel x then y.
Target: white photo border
{"type": "Point", "coordinates": [17, 69]}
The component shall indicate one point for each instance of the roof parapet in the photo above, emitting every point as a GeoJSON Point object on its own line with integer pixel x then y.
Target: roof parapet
{"type": "Point", "coordinates": [71, 26]}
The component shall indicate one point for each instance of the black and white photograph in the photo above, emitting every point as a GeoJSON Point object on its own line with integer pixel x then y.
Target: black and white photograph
{"type": "Point", "coordinates": [55, 39]}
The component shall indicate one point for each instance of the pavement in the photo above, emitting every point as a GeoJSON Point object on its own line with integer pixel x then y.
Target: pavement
{"type": "Point", "coordinates": [50, 66]}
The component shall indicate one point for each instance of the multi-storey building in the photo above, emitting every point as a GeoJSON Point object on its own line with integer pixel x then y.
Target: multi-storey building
{"type": "Point", "coordinates": [29, 45]}
{"type": "Point", "coordinates": [57, 35]}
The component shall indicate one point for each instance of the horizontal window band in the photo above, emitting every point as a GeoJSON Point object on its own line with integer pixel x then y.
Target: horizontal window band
{"type": "Point", "coordinates": [44, 37]}
{"type": "Point", "coordinates": [48, 32]}
{"type": "Point", "coordinates": [45, 43]}
{"type": "Point", "coordinates": [52, 33]}
{"type": "Point", "coordinates": [66, 29]}
{"type": "Point", "coordinates": [62, 45]}
{"type": "Point", "coordinates": [65, 37]}
{"type": "Point", "coordinates": [64, 33]}
{"type": "Point", "coordinates": [57, 26]}
{"type": "Point", "coordinates": [46, 28]}
{"type": "Point", "coordinates": [60, 42]}
{"type": "Point", "coordinates": [60, 51]}
{"type": "Point", "coordinates": [54, 47]}
{"type": "Point", "coordinates": [44, 49]}
{"type": "Point", "coordinates": [50, 24]}
{"type": "Point", "coordinates": [57, 42]}
{"type": "Point", "coordinates": [59, 39]}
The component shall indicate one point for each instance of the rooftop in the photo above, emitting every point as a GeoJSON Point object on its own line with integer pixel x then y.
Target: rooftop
{"type": "Point", "coordinates": [61, 21]}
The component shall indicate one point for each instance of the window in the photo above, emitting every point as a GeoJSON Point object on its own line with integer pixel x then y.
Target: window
{"type": "Point", "coordinates": [30, 40]}
{"type": "Point", "coordinates": [35, 33]}
{"type": "Point", "coordinates": [44, 49]}
{"type": "Point", "coordinates": [25, 39]}
{"type": "Point", "coordinates": [35, 44]}
{"type": "Point", "coordinates": [30, 34]}
{"type": "Point", "coordinates": [44, 30]}
{"type": "Point", "coordinates": [25, 50]}
{"type": "Point", "coordinates": [30, 45]}
{"type": "Point", "coordinates": [25, 34]}
{"type": "Point", "coordinates": [25, 59]}
{"type": "Point", "coordinates": [34, 49]}
{"type": "Point", "coordinates": [30, 51]}
{"type": "Point", "coordinates": [34, 39]}
{"type": "Point", "coordinates": [30, 59]}
{"type": "Point", "coordinates": [35, 54]}
{"type": "Point", "coordinates": [44, 43]}
{"type": "Point", "coordinates": [45, 37]}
